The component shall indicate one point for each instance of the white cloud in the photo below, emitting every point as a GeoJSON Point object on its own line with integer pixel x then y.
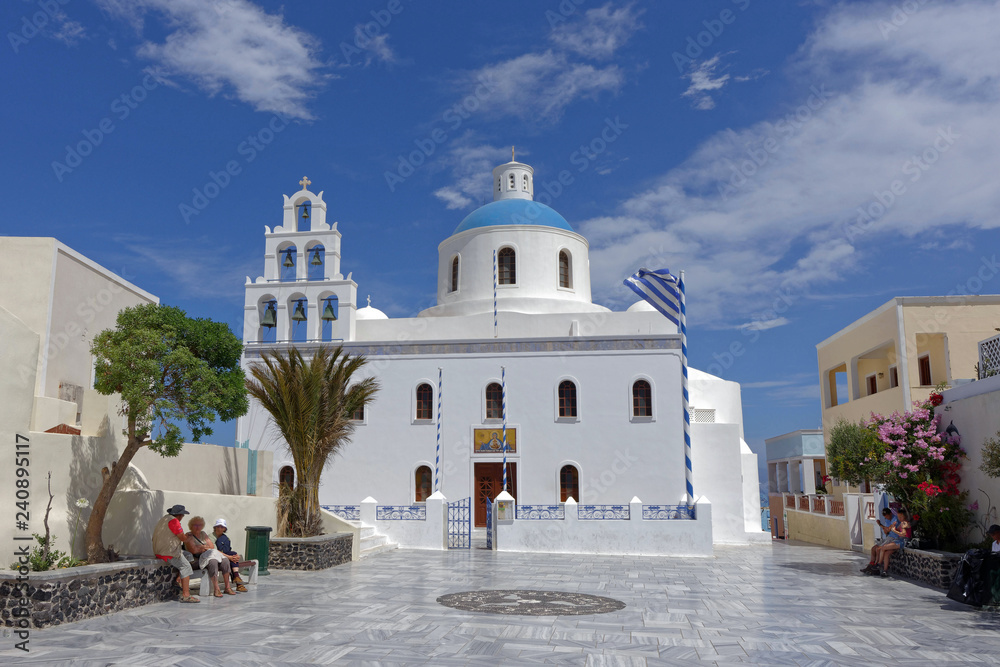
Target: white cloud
{"type": "Point", "coordinates": [764, 325]}
{"type": "Point", "coordinates": [709, 76]}
{"type": "Point", "coordinates": [470, 163]}
{"type": "Point", "coordinates": [600, 33]}
{"type": "Point", "coordinates": [231, 47]}
{"type": "Point", "coordinates": [69, 32]}
{"type": "Point", "coordinates": [762, 216]}
{"type": "Point", "coordinates": [380, 49]}
{"type": "Point", "coordinates": [539, 86]}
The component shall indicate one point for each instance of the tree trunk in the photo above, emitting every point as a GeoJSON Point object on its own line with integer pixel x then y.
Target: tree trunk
{"type": "Point", "coordinates": [96, 553]}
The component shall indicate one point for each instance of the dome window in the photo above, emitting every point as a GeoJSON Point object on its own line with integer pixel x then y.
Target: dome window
{"type": "Point", "coordinates": [507, 261]}
{"type": "Point", "coordinates": [565, 275]}
{"type": "Point", "coordinates": [511, 186]}
{"type": "Point", "coordinates": [524, 182]}
{"type": "Point", "coordinates": [454, 274]}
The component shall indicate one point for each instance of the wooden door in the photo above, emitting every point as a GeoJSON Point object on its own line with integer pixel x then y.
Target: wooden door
{"type": "Point", "coordinates": [489, 484]}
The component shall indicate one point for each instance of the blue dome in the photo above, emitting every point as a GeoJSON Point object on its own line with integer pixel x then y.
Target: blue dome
{"type": "Point", "coordinates": [513, 212]}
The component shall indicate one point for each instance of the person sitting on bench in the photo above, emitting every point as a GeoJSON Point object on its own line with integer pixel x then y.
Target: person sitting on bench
{"type": "Point", "coordinates": [210, 559]}
{"type": "Point", "coordinates": [223, 544]}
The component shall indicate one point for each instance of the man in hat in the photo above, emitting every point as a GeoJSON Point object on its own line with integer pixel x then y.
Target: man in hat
{"type": "Point", "coordinates": [223, 544]}
{"type": "Point", "coordinates": [168, 536]}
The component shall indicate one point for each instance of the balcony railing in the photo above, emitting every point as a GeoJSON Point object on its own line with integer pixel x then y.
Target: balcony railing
{"type": "Point", "coordinates": [989, 357]}
{"type": "Point", "coordinates": [836, 508]}
{"type": "Point", "coordinates": [790, 501]}
{"type": "Point", "coordinates": [819, 505]}
{"type": "Point", "coordinates": [804, 503]}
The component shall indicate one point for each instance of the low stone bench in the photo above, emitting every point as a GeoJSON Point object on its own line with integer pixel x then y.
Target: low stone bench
{"type": "Point", "coordinates": [936, 568]}
{"type": "Point", "coordinates": [76, 593]}
{"type": "Point", "coordinates": [310, 553]}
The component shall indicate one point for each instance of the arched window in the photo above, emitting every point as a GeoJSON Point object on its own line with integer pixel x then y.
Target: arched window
{"type": "Point", "coordinates": [511, 182]}
{"type": "Point", "coordinates": [316, 262]}
{"type": "Point", "coordinates": [299, 309]}
{"type": "Point", "coordinates": [268, 314]}
{"type": "Point", "coordinates": [499, 184]}
{"type": "Point", "coordinates": [287, 260]}
{"type": "Point", "coordinates": [507, 266]}
{"type": "Point", "coordinates": [642, 399]}
{"type": "Point", "coordinates": [524, 183]}
{"type": "Point", "coordinates": [565, 278]}
{"type": "Point", "coordinates": [569, 483]}
{"type": "Point", "coordinates": [425, 401]}
{"type": "Point", "coordinates": [286, 477]}
{"type": "Point", "coordinates": [329, 311]}
{"type": "Point", "coordinates": [454, 274]}
{"type": "Point", "coordinates": [494, 401]}
{"type": "Point", "coordinates": [304, 221]}
{"type": "Point", "coordinates": [423, 487]}
{"type": "Point", "coordinates": [567, 399]}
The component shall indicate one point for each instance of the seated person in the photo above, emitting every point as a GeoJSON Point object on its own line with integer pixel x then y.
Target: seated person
{"type": "Point", "coordinates": [886, 523]}
{"type": "Point", "coordinates": [896, 541]}
{"type": "Point", "coordinates": [994, 533]}
{"type": "Point", "coordinates": [226, 548]}
{"type": "Point", "coordinates": [210, 560]}
{"type": "Point", "coordinates": [168, 537]}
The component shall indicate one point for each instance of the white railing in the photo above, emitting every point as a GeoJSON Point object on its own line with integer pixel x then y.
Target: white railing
{"type": "Point", "coordinates": [989, 357]}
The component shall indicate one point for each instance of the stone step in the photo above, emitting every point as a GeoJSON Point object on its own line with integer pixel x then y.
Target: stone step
{"type": "Point", "coordinates": [373, 541]}
{"type": "Point", "coordinates": [366, 531]}
{"type": "Point", "coordinates": [365, 553]}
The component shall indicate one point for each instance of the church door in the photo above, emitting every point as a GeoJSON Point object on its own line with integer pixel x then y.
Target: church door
{"type": "Point", "coordinates": [489, 484]}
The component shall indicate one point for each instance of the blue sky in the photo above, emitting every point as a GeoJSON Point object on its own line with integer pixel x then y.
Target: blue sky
{"type": "Point", "coordinates": [804, 162]}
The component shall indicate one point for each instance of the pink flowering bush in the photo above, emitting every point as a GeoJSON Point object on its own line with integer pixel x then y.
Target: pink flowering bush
{"type": "Point", "coordinates": [920, 467]}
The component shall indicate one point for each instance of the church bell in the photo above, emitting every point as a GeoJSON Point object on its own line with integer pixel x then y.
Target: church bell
{"type": "Point", "coordinates": [328, 313]}
{"type": "Point", "coordinates": [289, 262]}
{"type": "Point", "coordinates": [268, 320]}
{"type": "Point", "coordinates": [316, 259]}
{"type": "Point", "coordinates": [299, 314]}
{"type": "Point", "coordinates": [305, 211]}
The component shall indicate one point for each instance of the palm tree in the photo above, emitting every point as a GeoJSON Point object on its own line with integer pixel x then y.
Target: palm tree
{"type": "Point", "coordinates": [311, 403]}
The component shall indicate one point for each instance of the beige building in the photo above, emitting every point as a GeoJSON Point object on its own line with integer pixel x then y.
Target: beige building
{"type": "Point", "coordinates": [897, 353]}
{"type": "Point", "coordinates": [53, 302]}
{"type": "Point", "coordinates": [882, 363]}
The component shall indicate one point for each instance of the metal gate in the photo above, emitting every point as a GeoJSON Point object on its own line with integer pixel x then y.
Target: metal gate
{"type": "Point", "coordinates": [489, 526]}
{"type": "Point", "coordinates": [460, 524]}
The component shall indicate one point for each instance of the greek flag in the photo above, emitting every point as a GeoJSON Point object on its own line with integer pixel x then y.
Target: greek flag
{"type": "Point", "coordinates": [665, 292]}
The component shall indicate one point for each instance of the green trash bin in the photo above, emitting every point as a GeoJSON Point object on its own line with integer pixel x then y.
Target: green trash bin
{"type": "Point", "coordinates": [259, 547]}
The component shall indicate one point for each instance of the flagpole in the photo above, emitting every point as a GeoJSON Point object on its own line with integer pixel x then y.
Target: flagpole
{"type": "Point", "coordinates": [437, 454]}
{"type": "Point", "coordinates": [684, 389]}
{"type": "Point", "coordinates": [495, 328]}
{"type": "Point", "coordinates": [503, 413]}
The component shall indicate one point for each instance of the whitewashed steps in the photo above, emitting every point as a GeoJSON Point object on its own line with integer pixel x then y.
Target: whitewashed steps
{"type": "Point", "coordinates": [372, 543]}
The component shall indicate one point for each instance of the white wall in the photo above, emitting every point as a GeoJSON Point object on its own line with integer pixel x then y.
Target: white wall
{"type": "Point", "coordinates": [975, 410]}
{"type": "Point", "coordinates": [612, 537]}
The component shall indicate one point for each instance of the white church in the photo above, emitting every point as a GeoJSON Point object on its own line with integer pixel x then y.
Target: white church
{"type": "Point", "coordinates": [594, 412]}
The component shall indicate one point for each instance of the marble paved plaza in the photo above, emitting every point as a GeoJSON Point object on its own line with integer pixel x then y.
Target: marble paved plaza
{"type": "Point", "coordinates": [775, 604]}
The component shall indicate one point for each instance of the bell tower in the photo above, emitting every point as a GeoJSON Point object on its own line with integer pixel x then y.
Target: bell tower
{"type": "Point", "coordinates": [514, 180]}
{"type": "Point", "coordinates": [302, 297]}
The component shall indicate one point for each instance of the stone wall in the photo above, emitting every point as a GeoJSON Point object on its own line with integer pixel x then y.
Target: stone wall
{"type": "Point", "coordinates": [310, 553]}
{"type": "Point", "coordinates": [936, 568]}
{"type": "Point", "coordinates": [73, 594]}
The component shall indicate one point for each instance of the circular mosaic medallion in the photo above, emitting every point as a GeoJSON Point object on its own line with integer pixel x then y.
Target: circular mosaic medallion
{"type": "Point", "coordinates": [531, 603]}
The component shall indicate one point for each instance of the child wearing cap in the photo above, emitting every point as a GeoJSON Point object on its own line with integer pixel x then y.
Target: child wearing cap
{"type": "Point", "coordinates": [223, 544]}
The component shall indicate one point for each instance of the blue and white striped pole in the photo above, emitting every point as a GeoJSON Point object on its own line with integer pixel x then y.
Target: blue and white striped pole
{"type": "Point", "coordinates": [495, 329]}
{"type": "Point", "coordinates": [503, 413]}
{"type": "Point", "coordinates": [437, 454]}
{"type": "Point", "coordinates": [665, 292]}
{"type": "Point", "coordinates": [684, 389]}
